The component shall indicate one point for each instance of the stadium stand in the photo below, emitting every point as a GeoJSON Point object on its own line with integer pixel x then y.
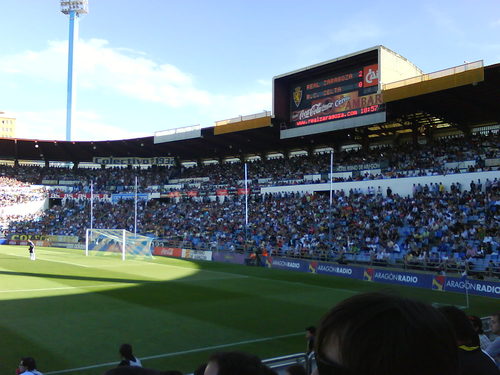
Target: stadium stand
{"type": "Point", "coordinates": [435, 228]}
{"type": "Point", "coordinates": [444, 156]}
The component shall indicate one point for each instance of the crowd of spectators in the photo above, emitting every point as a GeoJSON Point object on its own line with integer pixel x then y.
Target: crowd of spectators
{"type": "Point", "coordinates": [435, 226]}
{"type": "Point", "coordinates": [405, 160]}
{"type": "Point", "coordinates": [13, 191]}
{"type": "Point", "coordinates": [431, 226]}
{"type": "Point", "coordinates": [394, 161]}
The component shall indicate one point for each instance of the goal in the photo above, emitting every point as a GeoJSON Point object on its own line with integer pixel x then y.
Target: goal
{"type": "Point", "coordinates": [117, 242]}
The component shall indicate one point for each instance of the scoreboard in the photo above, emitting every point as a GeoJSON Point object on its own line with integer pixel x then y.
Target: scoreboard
{"type": "Point", "coordinates": [335, 96]}
{"type": "Point", "coordinates": [342, 93]}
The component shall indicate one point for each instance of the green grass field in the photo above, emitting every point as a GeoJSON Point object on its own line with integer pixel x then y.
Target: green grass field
{"type": "Point", "coordinates": [72, 312]}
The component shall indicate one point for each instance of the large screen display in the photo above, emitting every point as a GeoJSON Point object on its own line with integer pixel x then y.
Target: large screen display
{"type": "Point", "coordinates": [336, 96]}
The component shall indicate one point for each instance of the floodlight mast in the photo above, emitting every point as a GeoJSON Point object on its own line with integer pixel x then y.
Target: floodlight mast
{"type": "Point", "coordinates": [73, 8]}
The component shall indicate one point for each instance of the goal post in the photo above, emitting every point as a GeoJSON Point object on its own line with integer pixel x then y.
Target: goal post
{"type": "Point", "coordinates": [117, 242]}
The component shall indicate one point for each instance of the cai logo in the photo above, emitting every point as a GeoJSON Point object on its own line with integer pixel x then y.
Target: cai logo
{"type": "Point", "coordinates": [297, 96]}
{"type": "Point", "coordinates": [313, 266]}
{"type": "Point", "coordinates": [370, 75]}
{"type": "Point", "coordinates": [368, 274]}
{"type": "Point", "coordinates": [438, 283]}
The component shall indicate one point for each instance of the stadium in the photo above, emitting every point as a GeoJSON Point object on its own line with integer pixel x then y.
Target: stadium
{"type": "Point", "coordinates": [367, 175]}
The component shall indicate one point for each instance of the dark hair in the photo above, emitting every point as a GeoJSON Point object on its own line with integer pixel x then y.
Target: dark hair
{"type": "Point", "coordinates": [311, 329]}
{"type": "Point", "coordinates": [238, 363]}
{"type": "Point", "coordinates": [464, 331]}
{"type": "Point", "coordinates": [296, 370]}
{"type": "Point", "coordinates": [29, 363]}
{"type": "Point", "coordinates": [200, 370]}
{"type": "Point", "coordinates": [132, 370]}
{"type": "Point", "coordinates": [379, 333]}
{"type": "Point", "coordinates": [477, 323]}
{"type": "Point", "coordinates": [126, 352]}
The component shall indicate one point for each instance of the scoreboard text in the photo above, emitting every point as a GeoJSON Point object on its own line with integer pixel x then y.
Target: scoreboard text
{"type": "Point", "coordinates": [332, 97]}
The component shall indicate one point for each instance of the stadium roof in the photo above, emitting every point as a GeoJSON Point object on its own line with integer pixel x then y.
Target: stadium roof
{"type": "Point", "coordinates": [462, 107]}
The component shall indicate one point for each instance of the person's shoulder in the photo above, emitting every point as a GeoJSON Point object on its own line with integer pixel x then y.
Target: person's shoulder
{"type": "Point", "coordinates": [494, 345]}
{"type": "Point", "coordinates": [477, 359]}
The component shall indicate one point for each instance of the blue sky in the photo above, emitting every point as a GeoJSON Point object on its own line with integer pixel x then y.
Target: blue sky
{"type": "Point", "coordinates": [150, 65]}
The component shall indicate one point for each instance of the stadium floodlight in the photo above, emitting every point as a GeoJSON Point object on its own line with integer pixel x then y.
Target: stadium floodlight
{"type": "Point", "coordinates": [78, 6]}
{"type": "Point", "coordinates": [73, 8]}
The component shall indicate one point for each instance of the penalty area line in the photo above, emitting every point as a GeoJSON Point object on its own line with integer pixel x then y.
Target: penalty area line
{"type": "Point", "coordinates": [173, 354]}
{"type": "Point", "coordinates": [60, 288]}
{"type": "Point", "coordinates": [51, 260]}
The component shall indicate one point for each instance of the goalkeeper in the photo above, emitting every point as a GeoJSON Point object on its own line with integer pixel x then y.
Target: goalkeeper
{"type": "Point", "coordinates": [31, 249]}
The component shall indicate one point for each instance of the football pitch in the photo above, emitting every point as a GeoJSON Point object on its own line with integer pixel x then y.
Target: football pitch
{"type": "Point", "coordinates": [71, 312]}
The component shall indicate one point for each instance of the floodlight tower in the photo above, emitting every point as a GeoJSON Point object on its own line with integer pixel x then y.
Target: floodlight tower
{"type": "Point", "coordinates": [73, 8]}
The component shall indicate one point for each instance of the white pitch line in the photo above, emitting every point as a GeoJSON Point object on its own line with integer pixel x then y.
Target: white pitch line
{"type": "Point", "coordinates": [113, 285]}
{"type": "Point", "coordinates": [61, 288]}
{"type": "Point", "coordinates": [61, 261]}
{"type": "Point", "coordinates": [208, 271]}
{"type": "Point", "coordinates": [165, 355]}
{"type": "Point", "coordinates": [50, 260]}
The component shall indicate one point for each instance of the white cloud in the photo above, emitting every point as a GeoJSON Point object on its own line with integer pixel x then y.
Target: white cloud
{"type": "Point", "coordinates": [353, 34]}
{"type": "Point", "coordinates": [48, 124]}
{"type": "Point", "coordinates": [224, 107]}
{"type": "Point", "coordinates": [51, 125]}
{"type": "Point", "coordinates": [46, 64]}
{"type": "Point", "coordinates": [121, 73]}
{"type": "Point", "coordinates": [131, 74]}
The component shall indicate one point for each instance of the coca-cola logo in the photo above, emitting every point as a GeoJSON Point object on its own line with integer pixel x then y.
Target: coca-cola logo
{"type": "Point", "coordinates": [322, 108]}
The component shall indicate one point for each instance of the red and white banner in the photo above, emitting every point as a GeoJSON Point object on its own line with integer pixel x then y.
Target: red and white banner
{"type": "Point", "coordinates": [168, 251]}
{"type": "Point", "coordinates": [101, 197]}
{"type": "Point", "coordinates": [177, 252]}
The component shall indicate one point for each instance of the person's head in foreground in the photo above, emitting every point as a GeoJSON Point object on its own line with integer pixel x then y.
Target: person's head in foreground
{"type": "Point", "coordinates": [236, 363]}
{"type": "Point", "coordinates": [461, 325]}
{"type": "Point", "coordinates": [27, 364]}
{"type": "Point", "coordinates": [384, 334]}
{"type": "Point", "coordinates": [126, 351]}
{"type": "Point", "coordinates": [477, 324]}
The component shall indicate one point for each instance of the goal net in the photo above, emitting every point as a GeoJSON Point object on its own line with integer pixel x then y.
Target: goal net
{"type": "Point", "coordinates": [117, 242]}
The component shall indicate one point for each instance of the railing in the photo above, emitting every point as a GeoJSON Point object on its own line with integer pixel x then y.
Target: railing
{"type": "Point", "coordinates": [243, 118]}
{"type": "Point", "coordinates": [434, 75]}
{"type": "Point", "coordinates": [281, 363]}
{"type": "Point", "coordinates": [359, 258]}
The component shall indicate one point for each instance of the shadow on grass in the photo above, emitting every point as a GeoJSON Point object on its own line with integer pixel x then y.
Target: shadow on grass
{"type": "Point", "coordinates": [157, 316]}
{"type": "Point", "coordinates": [15, 346]}
{"type": "Point", "coordinates": [169, 316]}
{"type": "Point", "coordinates": [72, 277]}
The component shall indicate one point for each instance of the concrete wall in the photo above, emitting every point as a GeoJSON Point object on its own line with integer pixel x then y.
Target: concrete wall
{"type": "Point", "coordinates": [401, 186]}
{"type": "Point", "coordinates": [394, 67]}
